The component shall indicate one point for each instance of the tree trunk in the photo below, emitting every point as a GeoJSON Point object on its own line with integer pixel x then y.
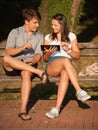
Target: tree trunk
{"type": "Point", "coordinates": [74, 10]}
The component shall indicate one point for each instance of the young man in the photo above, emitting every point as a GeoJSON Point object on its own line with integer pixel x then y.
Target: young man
{"type": "Point", "coordinates": [22, 55]}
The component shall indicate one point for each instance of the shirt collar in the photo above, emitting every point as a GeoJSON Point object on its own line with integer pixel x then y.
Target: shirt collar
{"type": "Point", "coordinates": [33, 33]}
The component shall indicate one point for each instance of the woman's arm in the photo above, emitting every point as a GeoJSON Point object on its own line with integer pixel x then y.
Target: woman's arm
{"type": "Point", "coordinates": [48, 52]}
{"type": "Point", "coordinates": [74, 52]}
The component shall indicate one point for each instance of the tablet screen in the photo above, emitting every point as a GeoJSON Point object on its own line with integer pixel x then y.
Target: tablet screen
{"type": "Point", "coordinates": [48, 46]}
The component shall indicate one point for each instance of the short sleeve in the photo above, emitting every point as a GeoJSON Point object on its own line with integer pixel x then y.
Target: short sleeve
{"type": "Point", "coordinates": [40, 39]}
{"type": "Point", "coordinates": [72, 36]}
{"type": "Point", "coordinates": [47, 37]}
{"type": "Point", "coordinates": [11, 38]}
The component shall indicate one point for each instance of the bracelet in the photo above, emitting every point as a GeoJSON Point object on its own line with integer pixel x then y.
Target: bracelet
{"type": "Point", "coordinates": [69, 51]}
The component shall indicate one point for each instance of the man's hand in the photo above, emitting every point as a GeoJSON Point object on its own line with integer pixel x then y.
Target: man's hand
{"type": "Point", "coordinates": [34, 60]}
{"type": "Point", "coordinates": [27, 45]}
{"type": "Point", "coordinates": [29, 62]}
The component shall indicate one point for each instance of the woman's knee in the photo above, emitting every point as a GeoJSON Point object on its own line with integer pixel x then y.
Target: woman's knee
{"type": "Point", "coordinates": [64, 74]}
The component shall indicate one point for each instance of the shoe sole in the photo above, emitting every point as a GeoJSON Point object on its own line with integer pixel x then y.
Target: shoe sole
{"type": "Point", "coordinates": [85, 99]}
{"type": "Point", "coordinates": [50, 116]}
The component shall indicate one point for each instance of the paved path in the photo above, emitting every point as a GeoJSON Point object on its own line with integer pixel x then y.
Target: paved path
{"type": "Point", "coordinates": [74, 116]}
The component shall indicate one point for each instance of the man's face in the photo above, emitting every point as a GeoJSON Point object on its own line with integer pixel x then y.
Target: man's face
{"type": "Point", "coordinates": [33, 24]}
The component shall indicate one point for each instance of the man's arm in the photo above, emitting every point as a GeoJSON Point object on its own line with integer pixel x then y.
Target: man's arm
{"type": "Point", "coordinates": [13, 51]}
{"type": "Point", "coordinates": [35, 59]}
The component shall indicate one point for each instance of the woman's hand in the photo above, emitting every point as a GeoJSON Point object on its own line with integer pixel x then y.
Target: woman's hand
{"type": "Point", "coordinates": [65, 46]}
{"type": "Point", "coordinates": [50, 50]}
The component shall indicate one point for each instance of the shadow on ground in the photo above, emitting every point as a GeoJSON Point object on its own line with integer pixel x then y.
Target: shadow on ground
{"type": "Point", "coordinates": [49, 92]}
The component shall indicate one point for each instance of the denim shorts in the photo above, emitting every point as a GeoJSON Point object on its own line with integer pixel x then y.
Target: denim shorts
{"type": "Point", "coordinates": [53, 58]}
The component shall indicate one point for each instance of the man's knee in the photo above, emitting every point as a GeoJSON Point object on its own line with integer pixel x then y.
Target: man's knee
{"type": "Point", "coordinates": [6, 63]}
{"type": "Point", "coordinates": [26, 74]}
{"type": "Point", "coordinates": [5, 59]}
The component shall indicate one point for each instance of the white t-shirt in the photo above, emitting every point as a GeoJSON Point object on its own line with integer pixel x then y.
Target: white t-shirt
{"type": "Point", "coordinates": [62, 52]}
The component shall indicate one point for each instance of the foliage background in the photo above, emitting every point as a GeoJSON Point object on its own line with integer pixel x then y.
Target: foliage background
{"type": "Point", "coordinates": [60, 6]}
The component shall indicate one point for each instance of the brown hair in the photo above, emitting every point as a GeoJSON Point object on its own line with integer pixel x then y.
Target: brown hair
{"type": "Point", "coordinates": [64, 29]}
{"type": "Point", "coordinates": [28, 14]}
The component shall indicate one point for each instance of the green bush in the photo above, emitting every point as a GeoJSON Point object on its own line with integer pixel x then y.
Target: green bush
{"type": "Point", "coordinates": [60, 6]}
{"type": "Point", "coordinates": [64, 6]}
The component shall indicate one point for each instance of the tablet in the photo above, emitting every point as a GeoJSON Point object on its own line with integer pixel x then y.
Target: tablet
{"type": "Point", "coordinates": [48, 46]}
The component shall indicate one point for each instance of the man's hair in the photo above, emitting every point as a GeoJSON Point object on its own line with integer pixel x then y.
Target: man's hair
{"type": "Point", "coordinates": [28, 14]}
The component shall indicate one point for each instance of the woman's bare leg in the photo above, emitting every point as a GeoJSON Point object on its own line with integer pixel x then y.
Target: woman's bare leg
{"type": "Point", "coordinates": [62, 88]}
{"type": "Point", "coordinates": [71, 73]}
{"type": "Point", "coordinates": [55, 68]}
{"type": "Point", "coordinates": [57, 65]}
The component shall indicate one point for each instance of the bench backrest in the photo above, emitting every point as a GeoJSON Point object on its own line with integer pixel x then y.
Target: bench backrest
{"type": "Point", "coordinates": [87, 49]}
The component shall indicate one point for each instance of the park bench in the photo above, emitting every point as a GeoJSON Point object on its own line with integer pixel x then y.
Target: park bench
{"type": "Point", "coordinates": [87, 50]}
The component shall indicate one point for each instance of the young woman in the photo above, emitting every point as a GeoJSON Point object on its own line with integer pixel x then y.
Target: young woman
{"type": "Point", "coordinates": [59, 62]}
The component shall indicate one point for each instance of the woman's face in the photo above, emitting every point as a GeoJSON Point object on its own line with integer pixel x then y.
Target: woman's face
{"type": "Point", "coordinates": [56, 27]}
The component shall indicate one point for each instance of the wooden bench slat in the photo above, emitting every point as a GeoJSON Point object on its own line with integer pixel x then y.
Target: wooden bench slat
{"type": "Point", "coordinates": [88, 45]}
{"type": "Point", "coordinates": [80, 78]}
{"type": "Point", "coordinates": [89, 52]}
{"type": "Point", "coordinates": [87, 49]}
{"type": "Point", "coordinates": [5, 78]}
{"type": "Point", "coordinates": [88, 78]}
{"type": "Point", "coordinates": [83, 53]}
{"type": "Point", "coordinates": [81, 45]}
{"type": "Point", "coordinates": [14, 78]}
{"type": "Point", "coordinates": [2, 52]}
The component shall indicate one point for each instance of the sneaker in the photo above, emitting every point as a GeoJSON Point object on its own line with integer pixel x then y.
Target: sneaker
{"type": "Point", "coordinates": [82, 95]}
{"type": "Point", "coordinates": [54, 112]}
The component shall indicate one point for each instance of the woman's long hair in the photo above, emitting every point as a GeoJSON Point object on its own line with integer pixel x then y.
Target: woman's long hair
{"type": "Point", "coordinates": [64, 29]}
